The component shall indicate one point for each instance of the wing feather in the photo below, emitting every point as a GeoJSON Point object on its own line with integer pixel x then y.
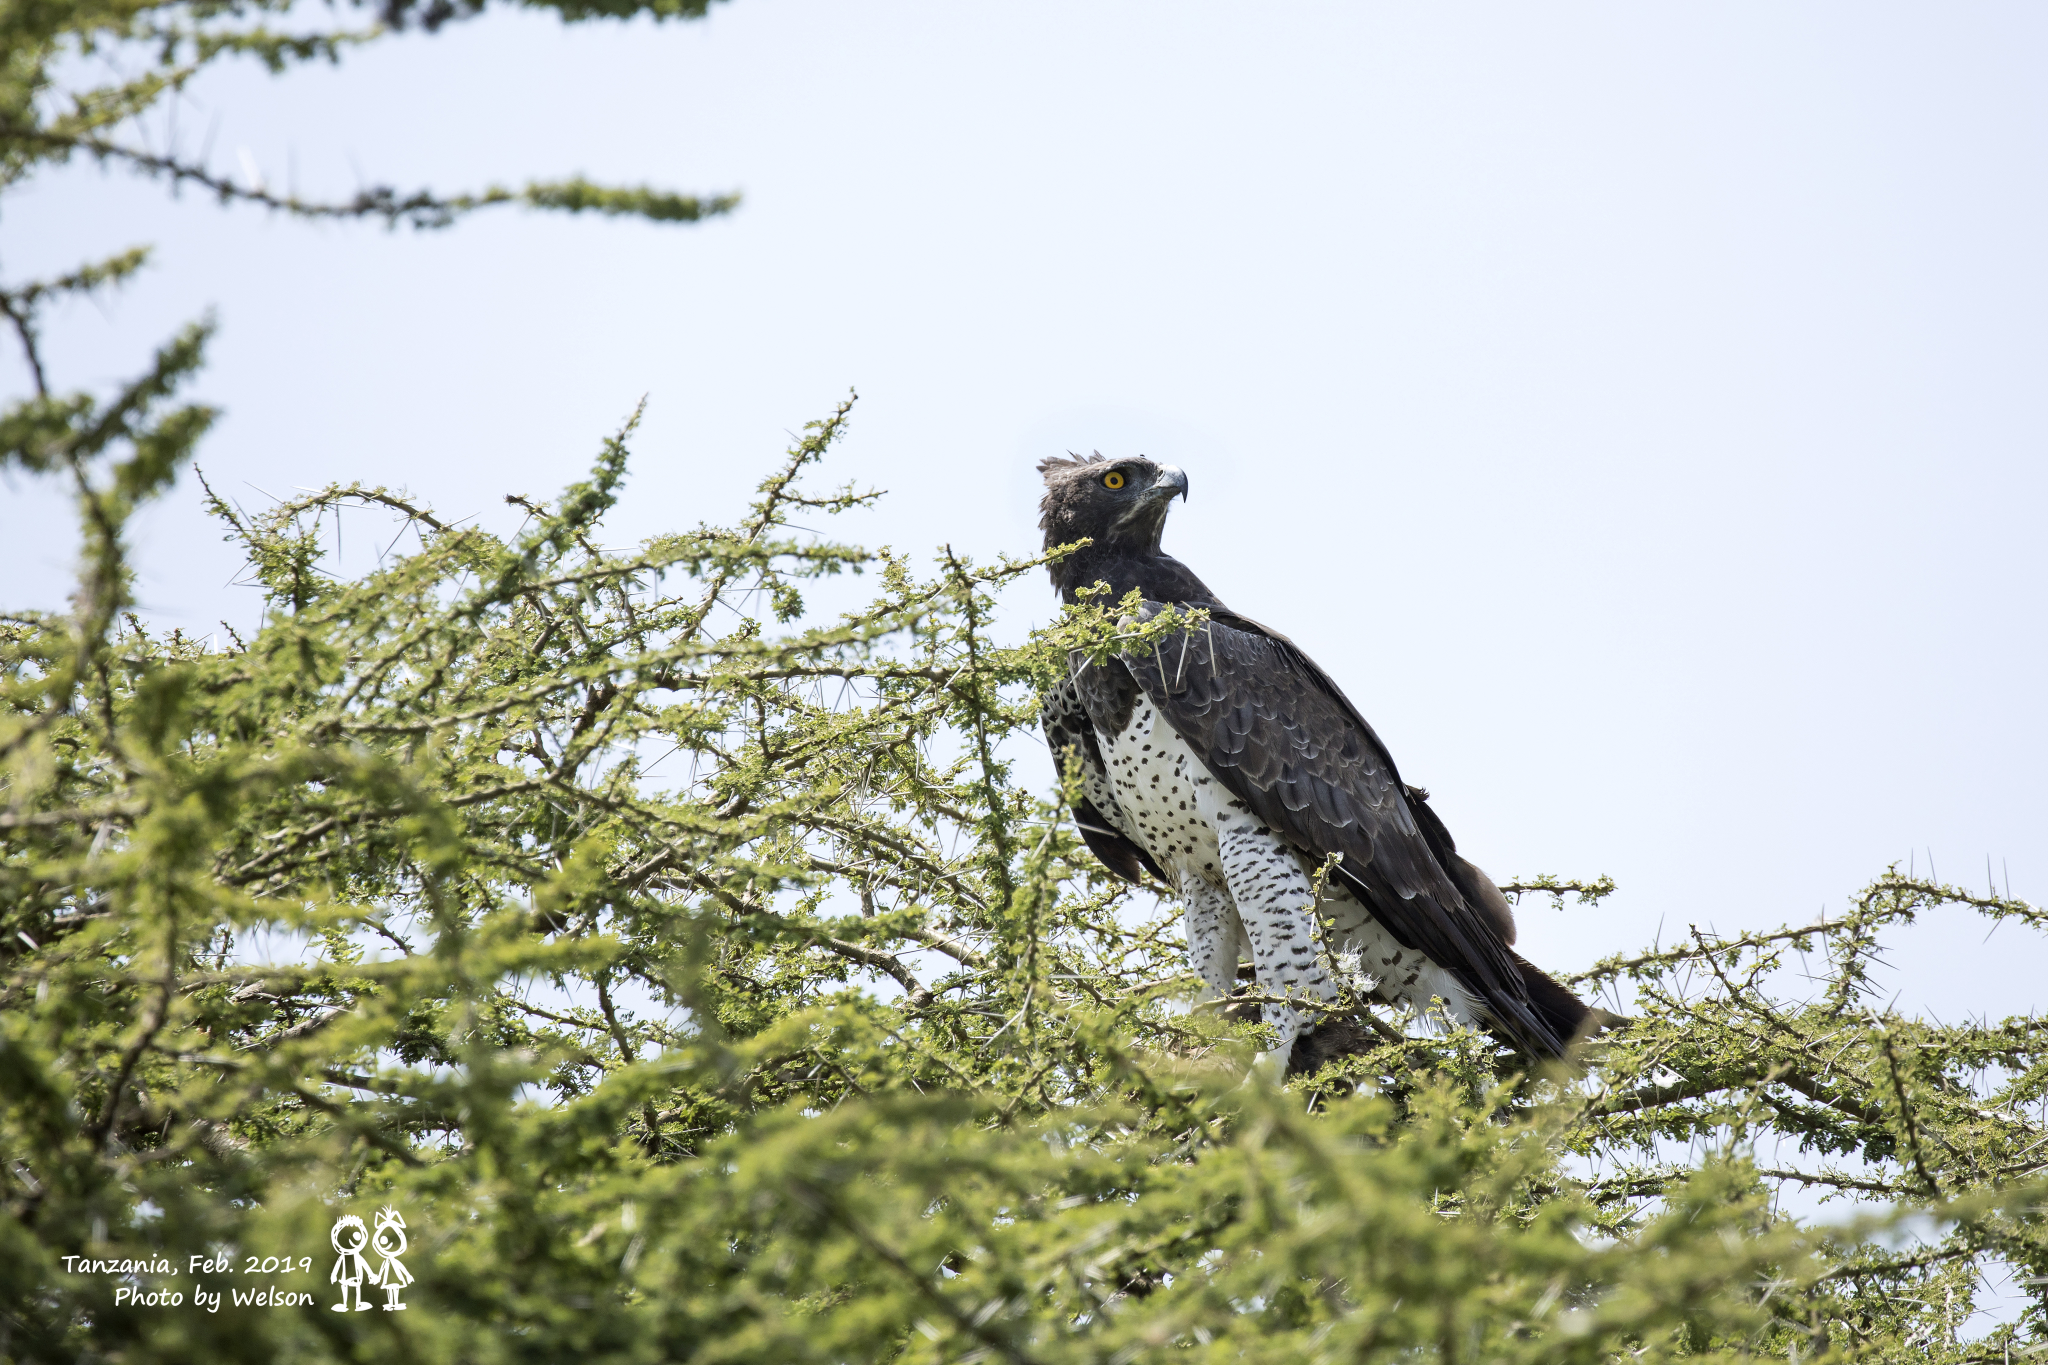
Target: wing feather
{"type": "Point", "coordinates": [1281, 736]}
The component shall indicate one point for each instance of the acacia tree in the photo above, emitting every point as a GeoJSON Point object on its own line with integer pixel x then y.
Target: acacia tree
{"type": "Point", "coordinates": [50, 118]}
{"type": "Point", "coordinates": [700, 980]}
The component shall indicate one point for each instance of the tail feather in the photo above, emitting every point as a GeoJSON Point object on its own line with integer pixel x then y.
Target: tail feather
{"type": "Point", "coordinates": [1567, 1016]}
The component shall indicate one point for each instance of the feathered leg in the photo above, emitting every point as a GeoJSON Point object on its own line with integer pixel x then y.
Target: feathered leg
{"type": "Point", "coordinates": [1276, 902]}
{"type": "Point", "coordinates": [1213, 935]}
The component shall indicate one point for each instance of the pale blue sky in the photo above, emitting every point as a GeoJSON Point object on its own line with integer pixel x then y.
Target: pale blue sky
{"type": "Point", "coordinates": [1640, 410]}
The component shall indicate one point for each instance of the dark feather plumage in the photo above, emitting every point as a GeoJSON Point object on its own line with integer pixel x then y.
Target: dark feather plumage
{"type": "Point", "coordinates": [1276, 731]}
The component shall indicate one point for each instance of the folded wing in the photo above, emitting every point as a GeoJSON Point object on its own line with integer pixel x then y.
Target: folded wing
{"type": "Point", "coordinates": [1282, 738]}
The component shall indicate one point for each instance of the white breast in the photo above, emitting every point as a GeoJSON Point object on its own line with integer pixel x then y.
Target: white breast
{"type": "Point", "coordinates": [1171, 807]}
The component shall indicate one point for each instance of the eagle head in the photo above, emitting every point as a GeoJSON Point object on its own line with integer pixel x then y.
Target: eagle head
{"type": "Point", "coordinates": [1119, 507]}
{"type": "Point", "coordinates": [1118, 504]}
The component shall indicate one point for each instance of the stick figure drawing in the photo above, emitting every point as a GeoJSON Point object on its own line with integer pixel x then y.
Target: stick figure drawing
{"type": "Point", "coordinates": [349, 1237]}
{"type": "Point", "coordinates": [390, 1244]}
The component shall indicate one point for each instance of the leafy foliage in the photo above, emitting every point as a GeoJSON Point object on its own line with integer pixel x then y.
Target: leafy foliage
{"type": "Point", "coordinates": [157, 48]}
{"type": "Point", "coordinates": [701, 981]}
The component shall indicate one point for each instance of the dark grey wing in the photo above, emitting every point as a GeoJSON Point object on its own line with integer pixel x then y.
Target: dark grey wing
{"type": "Point", "coordinates": [1100, 820]}
{"type": "Point", "coordinates": [1277, 732]}
{"type": "Point", "coordinates": [1478, 889]}
{"type": "Point", "coordinates": [1565, 1012]}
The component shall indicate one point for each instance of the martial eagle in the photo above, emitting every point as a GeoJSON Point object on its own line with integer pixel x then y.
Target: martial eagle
{"type": "Point", "coordinates": [1224, 762]}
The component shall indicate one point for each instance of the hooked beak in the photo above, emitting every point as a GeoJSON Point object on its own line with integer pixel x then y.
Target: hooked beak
{"type": "Point", "coordinates": [1171, 483]}
{"type": "Point", "coordinates": [1147, 516]}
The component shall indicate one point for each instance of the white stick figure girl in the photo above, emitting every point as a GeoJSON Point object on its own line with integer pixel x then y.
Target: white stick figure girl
{"type": "Point", "coordinates": [390, 1244]}
{"type": "Point", "coordinates": [349, 1237]}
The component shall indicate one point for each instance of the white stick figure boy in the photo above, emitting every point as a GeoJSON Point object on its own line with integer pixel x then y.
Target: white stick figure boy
{"type": "Point", "coordinates": [349, 1237]}
{"type": "Point", "coordinates": [390, 1244]}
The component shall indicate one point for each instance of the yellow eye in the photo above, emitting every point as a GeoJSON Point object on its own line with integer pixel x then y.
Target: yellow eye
{"type": "Point", "coordinates": [1112, 480]}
